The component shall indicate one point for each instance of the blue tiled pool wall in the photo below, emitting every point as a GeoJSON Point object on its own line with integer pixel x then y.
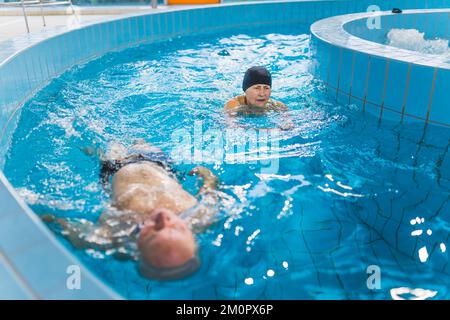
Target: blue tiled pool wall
{"type": "Point", "coordinates": [389, 89]}
{"type": "Point", "coordinates": [434, 25]}
{"type": "Point", "coordinates": [31, 266]}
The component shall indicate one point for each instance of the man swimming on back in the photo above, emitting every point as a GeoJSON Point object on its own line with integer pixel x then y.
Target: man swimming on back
{"type": "Point", "coordinates": [149, 209]}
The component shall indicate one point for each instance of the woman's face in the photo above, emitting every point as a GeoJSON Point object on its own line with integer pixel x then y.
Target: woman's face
{"type": "Point", "coordinates": [258, 95]}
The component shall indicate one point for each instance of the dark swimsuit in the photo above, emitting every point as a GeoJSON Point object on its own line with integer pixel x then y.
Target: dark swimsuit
{"type": "Point", "coordinates": [110, 167]}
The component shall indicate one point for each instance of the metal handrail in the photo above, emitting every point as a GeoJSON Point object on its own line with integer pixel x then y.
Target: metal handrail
{"type": "Point", "coordinates": [35, 3]}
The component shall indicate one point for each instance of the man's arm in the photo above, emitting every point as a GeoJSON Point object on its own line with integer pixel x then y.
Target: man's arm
{"type": "Point", "coordinates": [77, 232]}
{"type": "Point", "coordinates": [71, 230]}
{"type": "Point", "coordinates": [210, 180]}
{"type": "Point", "coordinates": [203, 215]}
{"type": "Point", "coordinates": [103, 239]}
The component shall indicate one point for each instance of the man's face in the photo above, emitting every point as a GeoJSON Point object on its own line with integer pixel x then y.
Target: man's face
{"type": "Point", "coordinates": [166, 241]}
{"type": "Point", "coordinates": [258, 95]}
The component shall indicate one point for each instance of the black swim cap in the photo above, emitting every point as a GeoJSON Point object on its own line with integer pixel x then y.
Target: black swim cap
{"type": "Point", "coordinates": [256, 75]}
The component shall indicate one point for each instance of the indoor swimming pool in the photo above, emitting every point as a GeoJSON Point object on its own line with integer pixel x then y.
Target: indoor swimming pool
{"type": "Point", "coordinates": [306, 211]}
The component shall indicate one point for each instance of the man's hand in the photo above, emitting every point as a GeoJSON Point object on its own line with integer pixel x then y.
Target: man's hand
{"type": "Point", "coordinates": [48, 218]}
{"type": "Point", "coordinates": [93, 152]}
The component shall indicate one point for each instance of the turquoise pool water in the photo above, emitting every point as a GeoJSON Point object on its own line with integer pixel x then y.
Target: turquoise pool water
{"type": "Point", "coordinates": [349, 192]}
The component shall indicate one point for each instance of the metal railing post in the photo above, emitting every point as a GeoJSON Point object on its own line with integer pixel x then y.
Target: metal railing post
{"type": "Point", "coordinates": [25, 16]}
{"type": "Point", "coordinates": [42, 13]}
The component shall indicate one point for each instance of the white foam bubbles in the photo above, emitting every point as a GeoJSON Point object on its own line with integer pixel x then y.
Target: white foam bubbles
{"type": "Point", "coordinates": [412, 39]}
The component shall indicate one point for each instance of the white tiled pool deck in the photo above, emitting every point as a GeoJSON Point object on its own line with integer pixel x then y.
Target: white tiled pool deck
{"type": "Point", "coordinates": [12, 22]}
{"type": "Point", "coordinates": [13, 26]}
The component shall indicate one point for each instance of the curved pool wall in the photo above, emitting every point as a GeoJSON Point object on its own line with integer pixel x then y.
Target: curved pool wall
{"type": "Point", "coordinates": [33, 264]}
{"type": "Point", "coordinates": [390, 83]}
{"type": "Point", "coordinates": [434, 23]}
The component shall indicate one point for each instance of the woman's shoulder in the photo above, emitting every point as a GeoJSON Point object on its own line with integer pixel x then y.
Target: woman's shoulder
{"type": "Point", "coordinates": [235, 102]}
{"type": "Point", "coordinates": [278, 105]}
